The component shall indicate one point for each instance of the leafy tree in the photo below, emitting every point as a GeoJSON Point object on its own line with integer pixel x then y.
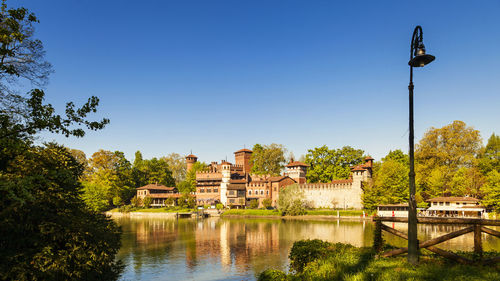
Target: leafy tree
{"type": "Point", "coordinates": [291, 201]}
{"type": "Point", "coordinates": [397, 155]}
{"type": "Point", "coordinates": [117, 201]}
{"type": "Point", "coordinates": [176, 164]}
{"type": "Point", "coordinates": [448, 149]}
{"type": "Point", "coordinates": [466, 182]}
{"type": "Point", "coordinates": [95, 196]}
{"type": "Point", "coordinates": [489, 159]}
{"type": "Point", "coordinates": [268, 159]}
{"type": "Point", "coordinates": [189, 185]}
{"type": "Point", "coordinates": [151, 171]}
{"type": "Point", "coordinates": [46, 232]}
{"type": "Point", "coordinates": [147, 201]}
{"type": "Point", "coordinates": [254, 204]}
{"type": "Point", "coordinates": [491, 190]}
{"type": "Point", "coordinates": [135, 201]}
{"type": "Point", "coordinates": [330, 164]}
{"type": "Point", "coordinates": [187, 201]}
{"type": "Point", "coordinates": [267, 203]}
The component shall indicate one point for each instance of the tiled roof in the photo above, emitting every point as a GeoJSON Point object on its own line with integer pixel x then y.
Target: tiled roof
{"type": "Point", "coordinates": [165, 195]}
{"type": "Point", "coordinates": [244, 150]}
{"type": "Point", "coordinates": [157, 187]}
{"type": "Point", "coordinates": [225, 163]}
{"type": "Point", "coordinates": [358, 168]}
{"type": "Point", "coordinates": [275, 179]}
{"type": "Point", "coordinates": [452, 199]}
{"type": "Point", "coordinates": [191, 156]}
{"type": "Point", "coordinates": [296, 164]}
{"type": "Point", "coordinates": [394, 205]}
{"type": "Point", "coordinates": [369, 158]}
{"type": "Point", "coordinates": [238, 181]}
{"type": "Point", "coordinates": [238, 186]}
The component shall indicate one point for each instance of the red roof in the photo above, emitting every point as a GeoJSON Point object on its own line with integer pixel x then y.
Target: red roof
{"type": "Point", "coordinates": [238, 181]}
{"type": "Point", "coordinates": [225, 163]}
{"type": "Point", "coordinates": [157, 187]}
{"type": "Point", "coordinates": [275, 179]}
{"type": "Point", "coordinates": [165, 195]}
{"type": "Point", "coordinates": [358, 168]}
{"type": "Point", "coordinates": [369, 158]}
{"type": "Point", "coordinates": [191, 156]}
{"type": "Point", "coordinates": [452, 199]}
{"type": "Point", "coordinates": [297, 164]}
{"type": "Point", "coordinates": [244, 150]}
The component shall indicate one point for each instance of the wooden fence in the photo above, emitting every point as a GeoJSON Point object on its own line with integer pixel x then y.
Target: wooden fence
{"type": "Point", "coordinates": [471, 225]}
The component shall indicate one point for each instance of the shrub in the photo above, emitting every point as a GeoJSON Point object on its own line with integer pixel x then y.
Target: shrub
{"type": "Point", "coordinates": [219, 206]}
{"type": "Point", "coordinates": [267, 203]}
{"type": "Point", "coordinates": [272, 275]}
{"type": "Point", "coordinates": [147, 201]}
{"type": "Point", "coordinates": [117, 201]}
{"type": "Point", "coordinates": [169, 201]}
{"type": "Point", "coordinates": [135, 201]}
{"type": "Point", "coordinates": [291, 201]}
{"type": "Point", "coordinates": [254, 204]}
{"type": "Point", "coordinates": [306, 251]}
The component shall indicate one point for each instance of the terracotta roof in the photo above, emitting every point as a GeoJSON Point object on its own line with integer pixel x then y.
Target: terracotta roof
{"type": "Point", "coordinates": [358, 168]}
{"type": "Point", "coordinates": [238, 181]}
{"type": "Point", "coordinates": [452, 199]}
{"type": "Point", "coordinates": [244, 150]}
{"type": "Point", "coordinates": [296, 164]}
{"type": "Point", "coordinates": [165, 195]}
{"type": "Point", "coordinates": [225, 163]}
{"type": "Point", "coordinates": [394, 205]}
{"type": "Point", "coordinates": [279, 178]}
{"type": "Point", "coordinates": [156, 186]}
{"type": "Point", "coordinates": [191, 156]}
{"type": "Point", "coordinates": [342, 181]}
{"type": "Point", "coordinates": [369, 158]}
{"type": "Point", "coordinates": [238, 186]}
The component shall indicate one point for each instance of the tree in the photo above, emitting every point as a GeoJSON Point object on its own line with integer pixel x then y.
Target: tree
{"type": "Point", "coordinates": [189, 185]}
{"type": "Point", "coordinates": [330, 164]}
{"type": "Point", "coordinates": [397, 155]}
{"type": "Point", "coordinates": [95, 196]}
{"type": "Point", "coordinates": [291, 201]}
{"type": "Point", "coordinates": [491, 190]}
{"type": "Point", "coordinates": [135, 201]}
{"type": "Point", "coordinates": [152, 171]}
{"type": "Point", "coordinates": [47, 232]}
{"type": "Point", "coordinates": [489, 159]}
{"type": "Point", "coordinates": [254, 204]}
{"type": "Point", "coordinates": [147, 201]}
{"type": "Point", "coordinates": [176, 164]}
{"type": "Point", "coordinates": [268, 159]}
{"type": "Point", "coordinates": [267, 203]}
{"type": "Point", "coordinates": [448, 149]}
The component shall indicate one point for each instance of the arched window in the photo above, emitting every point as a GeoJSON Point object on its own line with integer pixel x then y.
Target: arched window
{"type": "Point", "coordinates": [249, 192]}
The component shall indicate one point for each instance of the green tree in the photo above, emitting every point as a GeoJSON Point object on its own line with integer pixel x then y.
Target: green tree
{"type": "Point", "coordinates": [176, 164]}
{"type": "Point", "coordinates": [149, 171]}
{"type": "Point", "coordinates": [267, 203]}
{"type": "Point", "coordinates": [330, 164]}
{"type": "Point", "coordinates": [397, 155]}
{"type": "Point", "coordinates": [268, 159]}
{"type": "Point", "coordinates": [254, 204]}
{"type": "Point", "coordinates": [46, 232]}
{"type": "Point", "coordinates": [147, 201]}
{"type": "Point", "coordinates": [489, 159]}
{"type": "Point", "coordinates": [448, 149]}
{"type": "Point", "coordinates": [95, 196]}
{"type": "Point", "coordinates": [189, 185]}
{"type": "Point", "coordinates": [291, 201]}
{"type": "Point", "coordinates": [491, 190]}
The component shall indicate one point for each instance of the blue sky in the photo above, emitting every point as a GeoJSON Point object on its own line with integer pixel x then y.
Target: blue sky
{"type": "Point", "coordinates": [213, 76]}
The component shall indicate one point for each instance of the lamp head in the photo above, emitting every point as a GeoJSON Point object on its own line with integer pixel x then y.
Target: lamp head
{"type": "Point", "coordinates": [421, 58]}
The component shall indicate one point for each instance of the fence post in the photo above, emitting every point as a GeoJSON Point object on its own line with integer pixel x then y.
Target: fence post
{"type": "Point", "coordinates": [378, 242]}
{"type": "Point", "coordinates": [478, 248]}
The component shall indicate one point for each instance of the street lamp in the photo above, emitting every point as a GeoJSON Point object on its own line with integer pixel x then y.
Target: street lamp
{"type": "Point", "coordinates": [418, 58]}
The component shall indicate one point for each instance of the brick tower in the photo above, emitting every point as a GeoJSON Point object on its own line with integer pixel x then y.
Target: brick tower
{"type": "Point", "coordinates": [242, 157]}
{"type": "Point", "coordinates": [190, 160]}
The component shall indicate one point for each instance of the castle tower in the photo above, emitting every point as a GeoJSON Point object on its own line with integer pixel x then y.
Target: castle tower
{"type": "Point", "coordinates": [369, 168]}
{"type": "Point", "coordinates": [242, 157]}
{"type": "Point", "coordinates": [190, 160]}
{"type": "Point", "coordinates": [226, 176]}
{"type": "Point", "coordinates": [297, 171]}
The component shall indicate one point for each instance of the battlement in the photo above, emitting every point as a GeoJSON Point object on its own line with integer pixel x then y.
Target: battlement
{"type": "Point", "coordinates": [317, 186]}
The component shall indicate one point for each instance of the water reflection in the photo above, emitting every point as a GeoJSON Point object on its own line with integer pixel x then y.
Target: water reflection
{"type": "Point", "coordinates": [236, 249]}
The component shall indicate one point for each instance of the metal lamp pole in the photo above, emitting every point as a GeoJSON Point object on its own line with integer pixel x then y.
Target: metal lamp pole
{"type": "Point", "coordinates": [418, 58]}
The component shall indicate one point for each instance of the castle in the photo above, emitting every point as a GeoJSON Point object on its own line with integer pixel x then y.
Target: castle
{"type": "Point", "coordinates": [233, 185]}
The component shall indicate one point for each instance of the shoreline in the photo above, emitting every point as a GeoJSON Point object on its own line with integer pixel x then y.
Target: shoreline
{"type": "Point", "coordinates": [234, 216]}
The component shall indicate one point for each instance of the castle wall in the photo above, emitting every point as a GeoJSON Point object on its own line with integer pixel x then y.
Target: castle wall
{"type": "Point", "coordinates": [329, 195]}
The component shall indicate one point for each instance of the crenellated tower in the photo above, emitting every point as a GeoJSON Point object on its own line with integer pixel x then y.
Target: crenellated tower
{"type": "Point", "coordinates": [190, 160]}
{"type": "Point", "coordinates": [242, 157]}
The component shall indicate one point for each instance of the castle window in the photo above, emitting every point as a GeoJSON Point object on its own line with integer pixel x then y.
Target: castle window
{"type": "Point", "coordinates": [202, 190]}
{"type": "Point", "coordinates": [216, 190]}
{"type": "Point", "coordinates": [447, 203]}
{"type": "Point", "coordinates": [209, 190]}
{"type": "Point", "coordinates": [267, 192]}
{"type": "Point", "coordinates": [261, 192]}
{"type": "Point", "coordinates": [249, 192]}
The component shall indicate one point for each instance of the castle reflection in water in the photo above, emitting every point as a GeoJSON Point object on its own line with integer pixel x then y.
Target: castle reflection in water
{"type": "Point", "coordinates": [243, 247]}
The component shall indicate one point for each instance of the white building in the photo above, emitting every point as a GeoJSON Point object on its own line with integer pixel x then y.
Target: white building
{"type": "Point", "coordinates": [464, 207]}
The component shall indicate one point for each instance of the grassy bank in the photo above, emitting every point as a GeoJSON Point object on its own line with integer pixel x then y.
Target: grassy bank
{"type": "Point", "coordinates": [319, 260]}
{"type": "Point", "coordinates": [153, 210]}
{"type": "Point", "coordinates": [321, 212]}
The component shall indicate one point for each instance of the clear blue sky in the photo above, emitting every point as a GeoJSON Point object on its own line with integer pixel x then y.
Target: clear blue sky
{"type": "Point", "coordinates": [213, 76]}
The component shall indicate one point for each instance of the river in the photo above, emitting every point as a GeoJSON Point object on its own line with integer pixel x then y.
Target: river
{"type": "Point", "coordinates": [238, 249]}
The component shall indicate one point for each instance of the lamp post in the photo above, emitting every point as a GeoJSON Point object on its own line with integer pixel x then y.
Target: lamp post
{"type": "Point", "coordinates": [418, 58]}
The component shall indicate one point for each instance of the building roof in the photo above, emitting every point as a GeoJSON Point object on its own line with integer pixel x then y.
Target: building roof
{"type": "Point", "coordinates": [244, 150]}
{"type": "Point", "coordinates": [452, 199]}
{"type": "Point", "coordinates": [238, 181]}
{"type": "Point", "coordinates": [225, 163]}
{"type": "Point", "coordinates": [297, 164]}
{"type": "Point", "coordinates": [237, 186]}
{"type": "Point", "coordinates": [394, 205]}
{"type": "Point", "coordinates": [279, 178]}
{"type": "Point", "coordinates": [191, 156]}
{"type": "Point", "coordinates": [369, 158]}
{"type": "Point", "coordinates": [358, 168]}
{"type": "Point", "coordinates": [165, 195]}
{"type": "Point", "coordinates": [157, 187]}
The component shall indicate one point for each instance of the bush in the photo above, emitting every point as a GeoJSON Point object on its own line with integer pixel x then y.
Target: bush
{"type": "Point", "coordinates": [272, 275]}
{"type": "Point", "coordinates": [254, 204]}
{"type": "Point", "coordinates": [170, 201]}
{"type": "Point", "coordinates": [306, 251]}
{"type": "Point", "coordinates": [291, 201]}
{"type": "Point", "coordinates": [267, 203]}
{"type": "Point", "coordinates": [135, 201]}
{"type": "Point", "coordinates": [117, 201]}
{"type": "Point", "coordinates": [146, 202]}
{"type": "Point", "coordinates": [219, 206]}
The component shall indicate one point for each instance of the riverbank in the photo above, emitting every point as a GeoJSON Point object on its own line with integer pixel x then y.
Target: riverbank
{"type": "Point", "coordinates": [320, 260]}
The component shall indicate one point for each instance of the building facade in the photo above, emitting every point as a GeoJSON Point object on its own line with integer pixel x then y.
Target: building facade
{"type": "Point", "coordinates": [159, 194]}
{"type": "Point", "coordinates": [234, 185]}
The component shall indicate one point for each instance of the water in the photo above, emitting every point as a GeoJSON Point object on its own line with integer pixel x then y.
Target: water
{"type": "Point", "coordinates": [238, 249]}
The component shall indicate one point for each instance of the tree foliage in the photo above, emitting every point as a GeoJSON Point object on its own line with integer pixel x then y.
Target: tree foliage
{"type": "Point", "coordinates": [330, 164]}
{"type": "Point", "coordinates": [176, 164]}
{"type": "Point", "coordinates": [149, 171]}
{"type": "Point", "coordinates": [491, 189]}
{"type": "Point", "coordinates": [189, 185]}
{"type": "Point", "coordinates": [489, 159]}
{"type": "Point", "coordinates": [291, 201]}
{"type": "Point", "coordinates": [268, 159]}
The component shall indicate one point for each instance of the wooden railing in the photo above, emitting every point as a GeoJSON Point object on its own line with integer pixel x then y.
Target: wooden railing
{"type": "Point", "coordinates": [473, 225]}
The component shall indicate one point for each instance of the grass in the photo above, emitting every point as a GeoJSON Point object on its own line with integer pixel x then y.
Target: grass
{"type": "Point", "coordinates": [251, 212]}
{"type": "Point", "coordinates": [342, 213]}
{"type": "Point", "coordinates": [315, 260]}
